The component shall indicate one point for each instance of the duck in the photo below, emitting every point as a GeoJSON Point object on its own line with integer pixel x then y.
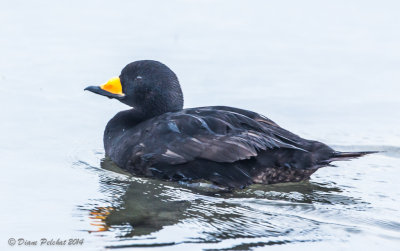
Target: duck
{"type": "Point", "coordinates": [220, 145]}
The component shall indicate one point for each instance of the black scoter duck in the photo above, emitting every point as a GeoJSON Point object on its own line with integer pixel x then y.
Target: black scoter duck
{"type": "Point", "coordinates": [226, 146]}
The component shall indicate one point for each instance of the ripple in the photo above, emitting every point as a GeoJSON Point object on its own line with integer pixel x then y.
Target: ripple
{"type": "Point", "coordinates": [143, 212]}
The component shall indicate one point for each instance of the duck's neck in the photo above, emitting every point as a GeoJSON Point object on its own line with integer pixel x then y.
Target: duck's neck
{"type": "Point", "coordinates": [120, 123]}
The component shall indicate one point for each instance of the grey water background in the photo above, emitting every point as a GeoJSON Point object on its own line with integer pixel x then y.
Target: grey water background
{"type": "Point", "coordinates": [325, 70]}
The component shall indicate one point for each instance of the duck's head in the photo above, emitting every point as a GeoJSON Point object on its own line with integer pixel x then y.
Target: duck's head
{"type": "Point", "coordinates": [148, 86]}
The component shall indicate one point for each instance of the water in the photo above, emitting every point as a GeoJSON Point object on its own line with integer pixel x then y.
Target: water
{"type": "Point", "coordinates": [325, 71]}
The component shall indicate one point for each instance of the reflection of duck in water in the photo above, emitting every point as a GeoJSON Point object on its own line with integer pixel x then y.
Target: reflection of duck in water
{"type": "Point", "coordinates": [224, 145]}
{"type": "Point", "coordinates": [139, 213]}
{"type": "Point", "coordinates": [141, 207]}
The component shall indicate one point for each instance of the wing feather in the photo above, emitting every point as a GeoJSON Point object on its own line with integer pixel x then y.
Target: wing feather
{"type": "Point", "coordinates": [219, 135]}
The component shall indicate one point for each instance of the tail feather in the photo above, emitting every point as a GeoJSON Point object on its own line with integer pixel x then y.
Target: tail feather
{"type": "Point", "coordinates": [349, 155]}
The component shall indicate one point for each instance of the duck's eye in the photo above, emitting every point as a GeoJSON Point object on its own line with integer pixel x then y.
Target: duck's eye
{"type": "Point", "coordinates": [138, 80]}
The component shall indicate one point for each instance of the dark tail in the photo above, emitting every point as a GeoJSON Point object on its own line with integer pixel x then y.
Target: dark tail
{"type": "Point", "coordinates": [349, 155]}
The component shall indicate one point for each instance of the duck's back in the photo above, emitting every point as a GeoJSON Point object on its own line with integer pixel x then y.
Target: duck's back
{"type": "Point", "coordinates": [227, 146]}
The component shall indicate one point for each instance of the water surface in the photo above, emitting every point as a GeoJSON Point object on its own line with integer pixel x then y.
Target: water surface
{"type": "Point", "coordinates": [325, 71]}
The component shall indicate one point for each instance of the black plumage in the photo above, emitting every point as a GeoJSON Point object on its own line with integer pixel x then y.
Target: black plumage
{"type": "Point", "coordinates": [227, 146]}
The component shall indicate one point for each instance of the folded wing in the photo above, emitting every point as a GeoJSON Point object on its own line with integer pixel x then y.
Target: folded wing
{"type": "Point", "coordinates": [220, 134]}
